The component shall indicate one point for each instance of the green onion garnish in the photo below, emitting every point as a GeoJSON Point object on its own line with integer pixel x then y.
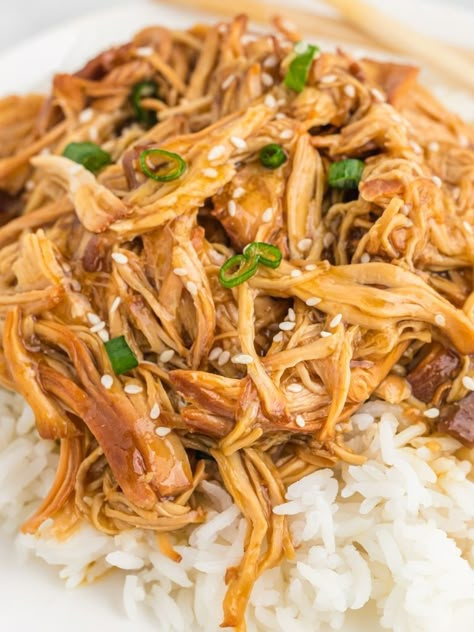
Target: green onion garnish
{"type": "Point", "coordinates": [120, 355]}
{"type": "Point", "coordinates": [159, 175]}
{"type": "Point", "coordinates": [267, 254]}
{"type": "Point", "coordinates": [240, 268]}
{"type": "Point", "coordinates": [345, 174]}
{"type": "Point", "coordinates": [144, 90]}
{"type": "Point", "coordinates": [89, 155]}
{"type": "Point", "coordinates": [272, 156]}
{"type": "Point", "coordinates": [298, 70]}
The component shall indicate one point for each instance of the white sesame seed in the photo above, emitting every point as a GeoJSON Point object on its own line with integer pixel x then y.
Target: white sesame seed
{"type": "Point", "coordinates": [192, 288]}
{"type": "Point", "coordinates": [431, 413]}
{"type": "Point", "coordinates": [270, 101]}
{"type": "Point", "coordinates": [300, 47]}
{"type": "Point", "coordinates": [468, 382]}
{"type": "Point", "coordinates": [104, 335]}
{"type": "Point", "coordinates": [328, 239]}
{"type": "Point", "coordinates": [86, 115]}
{"type": "Point", "coordinates": [210, 172]}
{"type": "Point", "coordinates": [166, 356]}
{"type": "Point", "coordinates": [305, 244]}
{"type": "Point", "coordinates": [29, 185]}
{"type": "Point", "coordinates": [144, 51]}
{"type": "Point", "coordinates": [436, 180]}
{"type": "Point", "coordinates": [463, 140]}
{"type": "Point", "coordinates": [296, 273]}
{"type": "Point", "coordinates": [215, 353]}
{"type": "Point", "coordinates": [115, 304]}
{"type": "Point", "coordinates": [107, 381]}
{"type": "Point", "coordinates": [326, 334]}
{"type": "Point", "coordinates": [223, 358]}
{"type": "Point", "coordinates": [467, 226]}
{"type": "Point", "coordinates": [270, 62]}
{"type": "Point", "coordinates": [328, 79]}
{"type": "Point", "coordinates": [335, 321]}
{"type": "Point", "coordinates": [365, 257]}
{"type": "Point", "coordinates": [216, 152]}
{"type": "Point", "coordinates": [76, 286]}
{"type": "Point", "coordinates": [93, 318]}
{"type": "Point", "coordinates": [433, 146]}
{"type": "Point", "coordinates": [291, 314]}
{"type": "Point", "coordinates": [238, 142]}
{"type": "Point", "coordinates": [349, 90]}
{"type": "Point", "coordinates": [231, 208]}
{"type": "Point", "coordinates": [161, 431]}
{"type": "Point", "coordinates": [312, 301]}
{"type": "Point", "coordinates": [180, 272]}
{"type": "Point", "coordinates": [456, 192]}
{"type": "Point", "coordinates": [280, 116]}
{"type": "Point", "coordinates": [286, 326]}
{"type": "Point", "coordinates": [155, 411]}
{"type": "Point", "coordinates": [300, 421]}
{"type": "Point", "coordinates": [119, 257]}
{"type": "Point", "coordinates": [98, 327]}
{"type": "Point", "coordinates": [278, 337]}
{"type": "Point", "coordinates": [440, 320]}
{"type": "Point", "coordinates": [416, 147]}
{"type": "Point", "coordinates": [132, 389]}
{"type": "Point", "coordinates": [286, 134]}
{"type": "Point", "coordinates": [267, 79]}
{"type": "Point", "coordinates": [238, 192]}
{"type": "Point", "coordinates": [310, 267]}
{"type": "Point", "coordinates": [378, 95]}
{"type": "Point", "coordinates": [227, 81]}
{"type": "Point", "coordinates": [93, 133]}
{"type": "Point", "coordinates": [46, 151]}
{"type": "Point", "coordinates": [294, 388]}
{"type": "Point", "coordinates": [406, 208]}
{"type": "Point", "coordinates": [267, 215]}
{"type": "Point", "coordinates": [242, 358]}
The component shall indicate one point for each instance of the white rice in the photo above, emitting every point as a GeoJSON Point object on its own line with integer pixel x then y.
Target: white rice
{"type": "Point", "coordinates": [395, 535]}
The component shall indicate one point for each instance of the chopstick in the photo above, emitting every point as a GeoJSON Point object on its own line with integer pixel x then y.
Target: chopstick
{"type": "Point", "coordinates": [349, 32]}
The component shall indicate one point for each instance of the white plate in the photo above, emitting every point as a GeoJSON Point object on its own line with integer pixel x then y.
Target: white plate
{"type": "Point", "coordinates": [32, 597]}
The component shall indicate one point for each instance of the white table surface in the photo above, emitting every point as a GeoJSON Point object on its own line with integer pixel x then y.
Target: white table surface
{"type": "Point", "coordinates": [19, 19]}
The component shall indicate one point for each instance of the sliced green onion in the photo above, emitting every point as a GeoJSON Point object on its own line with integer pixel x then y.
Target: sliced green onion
{"type": "Point", "coordinates": [120, 355]}
{"type": "Point", "coordinates": [237, 269]}
{"type": "Point", "coordinates": [267, 254]}
{"type": "Point", "coordinates": [345, 174]}
{"type": "Point", "coordinates": [144, 90]}
{"type": "Point", "coordinates": [89, 155]}
{"type": "Point", "coordinates": [169, 156]}
{"type": "Point", "coordinates": [298, 70]}
{"type": "Point", "coordinates": [272, 156]}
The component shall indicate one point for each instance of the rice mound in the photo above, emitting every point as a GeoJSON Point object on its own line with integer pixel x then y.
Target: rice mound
{"type": "Point", "coordinates": [396, 532]}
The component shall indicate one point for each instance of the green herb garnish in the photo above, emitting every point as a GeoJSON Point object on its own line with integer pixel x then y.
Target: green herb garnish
{"type": "Point", "coordinates": [144, 90]}
{"type": "Point", "coordinates": [272, 156]}
{"type": "Point", "coordinates": [89, 155]}
{"type": "Point", "coordinates": [120, 355]}
{"type": "Point", "coordinates": [162, 173]}
{"type": "Point", "coordinates": [298, 70]}
{"type": "Point", "coordinates": [240, 268]}
{"type": "Point", "coordinates": [345, 174]}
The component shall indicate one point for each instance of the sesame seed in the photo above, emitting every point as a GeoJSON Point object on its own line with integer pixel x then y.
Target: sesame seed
{"type": "Point", "coordinates": [93, 318]}
{"type": "Point", "coordinates": [286, 134]}
{"type": "Point", "coordinates": [406, 208]}
{"type": "Point", "coordinates": [144, 51]}
{"type": "Point", "coordinates": [378, 95]}
{"type": "Point", "coordinates": [310, 267]}
{"type": "Point", "coordinates": [238, 192]}
{"type": "Point", "coordinates": [433, 146]}
{"type": "Point", "coordinates": [365, 257]}
{"type": "Point", "coordinates": [227, 81]}
{"type": "Point", "coordinates": [294, 388]}
{"type": "Point", "coordinates": [270, 101]}
{"type": "Point", "coordinates": [296, 273]}
{"type": "Point", "coordinates": [267, 79]}
{"type": "Point", "coordinates": [107, 381]}
{"type": "Point", "coordinates": [431, 413]}
{"type": "Point", "coordinates": [326, 334]}
{"type": "Point", "coordinates": [216, 152]}
{"type": "Point", "coordinates": [463, 140]}
{"type": "Point", "coordinates": [456, 192]}
{"type": "Point", "coordinates": [215, 353]}
{"type": "Point", "coordinates": [93, 133]}
{"type": "Point", "coordinates": [436, 180]}
{"type": "Point", "coordinates": [76, 286]}
{"type": "Point", "coordinates": [468, 382]}
{"type": "Point", "coordinates": [238, 142]}
{"type": "Point", "coordinates": [29, 185]}
{"type": "Point", "coordinates": [210, 172]}
{"type": "Point", "coordinates": [440, 320]}
{"type": "Point", "coordinates": [223, 358]}
{"type": "Point", "coordinates": [242, 358]}
{"type": "Point", "coordinates": [291, 314]}
{"type": "Point", "coordinates": [97, 327]}
{"type": "Point", "coordinates": [155, 411]}
{"type": "Point", "coordinates": [328, 240]}
{"type": "Point", "coordinates": [119, 257]}
{"type": "Point", "coordinates": [104, 335]}
{"type": "Point", "coordinates": [349, 90]}
{"type": "Point", "coordinates": [132, 389]}
{"type": "Point", "coordinates": [312, 301]}
{"type": "Point", "coordinates": [180, 271]}
{"type": "Point", "coordinates": [335, 321]}
{"type": "Point", "coordinates": [328, 79]}
{"type": "Point", "coordinates": [280, 116]}
{"type": "Point", "coordinates": [467, 226]}
{"type": "Point", "coordinates": [161, 431]}
{"type": "Point", "coordinates": [416, 147]}
{"type": "Point", "coordinates": [270, 62]}
{"type": "Point", "coordinates": [267, 215]}
{"type": "Point", "coordinates": [192, 288]}
{"type": "Point", "coordinates": [85, 116]}
{"type": "Point", "coordinates": [305, 244]}
{"type": "Point", "coordinates": [166, 356]}
{"type": "Point", "coordinates": [115, 304]}
{"type": "Point", "coordinates": [46, 151]}
{"type": "Point", "coordinates": [231, 208]}
{"type": "Point", "coordinates": [278, 337]}
{"type": "Point", "coordinates": [300, 421]}
{"type": "Point", "coordinates": [286, 326]}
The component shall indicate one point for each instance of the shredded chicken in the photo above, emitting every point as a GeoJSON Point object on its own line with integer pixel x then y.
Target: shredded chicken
{"type": "Point", "coordinates": [252, 386]}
